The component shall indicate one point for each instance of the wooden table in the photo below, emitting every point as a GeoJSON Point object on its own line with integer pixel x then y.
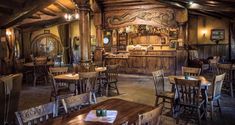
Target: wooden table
{"type": "Point", "coordinates": [69, 78]}
{"type": "Point", "coordinates": [127, 111]}
{"type": "Point", "coordinates": [31, 64]}
{"type": "Point", "coordinates": [204, 86]}
{"type": "Point", "coordinates": [100, 69]}
{"type": "Point", "coordinates": [204, 81]}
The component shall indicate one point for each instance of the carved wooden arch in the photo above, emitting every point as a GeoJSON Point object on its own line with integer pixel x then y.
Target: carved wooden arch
{"type": "Point", "coordinates": [38, 38]}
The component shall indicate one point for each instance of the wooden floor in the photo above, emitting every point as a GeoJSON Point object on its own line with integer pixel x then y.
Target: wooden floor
{"type": "Point", "coordinates": [133, 88]}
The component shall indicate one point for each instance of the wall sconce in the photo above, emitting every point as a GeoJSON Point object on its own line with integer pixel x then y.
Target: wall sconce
{"type": "Point", "coordinates": [204, 32]}
{"type": "Point", "coordinates": [8, 33]}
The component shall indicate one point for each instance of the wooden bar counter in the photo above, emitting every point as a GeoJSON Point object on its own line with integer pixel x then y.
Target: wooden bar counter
{"type": "Point", "coordinates": [144, 62]}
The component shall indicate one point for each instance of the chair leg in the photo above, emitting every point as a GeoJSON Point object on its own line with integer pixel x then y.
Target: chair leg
{"type": "Point", "coordinates": [34, 81]}
{"type": "Point", "coordinates": [45, 78]}
{"type": "Point", "coordinates": [107, 90]}
{"type": "Point", "coordinates": [94, 98]}
{"type": "Point", "coordinates": [212, 109]}
{"type": "Point", "coordinates": [172, 108]}
{"type": "Point", "coordinates": [218, 102]}
{"type": "Point", "coordinates": [116, 88]}
{"type": "Point", "coordinates": [156, 101]}
{"type": "Point", "coordinates": [231, 89]}
{"type": "Point", "coordinates": [199, 116]}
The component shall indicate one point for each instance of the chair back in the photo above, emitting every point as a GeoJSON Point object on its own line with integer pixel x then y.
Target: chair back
{"type": "Point", "coordinates": [158, 78]}
{"type": "Point", "coordinates": [37, 114]}
{"type": "Point", "coordinates": [188, 91]}
{"type": "Point", "coordinates": [40, 60]}
{"type": "Point", "coordinates": [74, 103]}
{"type": "Point", "coordinates": [9, 96]}
{"type": "Point", "coordinates": [152, 117]}
{"type": "Point", "coordinates": [217, 85]}
{"type": "Point", "coordinates": [58, 70]}
{"type": "Point", "coordinates": [99, 64]}
{"type": "Point", "coordinates": [15, 96]}
{"type": "Point", "coordinates": [19, 65]}
{"type": "Point", "coordinates": [191, 71]}
{"type": "Point", "coordinates": [112, 73]}
{"type": "Point", "coordinates": [89, 82]}
{"type": "Point", "coordinates": [40, 69]}
{"type": "Point", "coordinates": [53, 84]}
{"type": "Point", "coordinates": [225, 68]}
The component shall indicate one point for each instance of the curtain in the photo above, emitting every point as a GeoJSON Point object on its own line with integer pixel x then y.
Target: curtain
{"type": "Point", "coordinates": [65, 41]}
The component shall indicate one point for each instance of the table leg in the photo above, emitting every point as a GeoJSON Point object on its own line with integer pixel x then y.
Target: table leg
{"type": "Point", "coordinates": [76, 87]}
{"type": "Point", "coordinates": [205, 96]}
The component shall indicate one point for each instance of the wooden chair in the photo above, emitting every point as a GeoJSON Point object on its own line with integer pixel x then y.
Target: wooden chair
{"type": "Point", "coordinates": [40, 60]}
{"type": "Point", "coordinates": [10, 97]}
{"type": "Point", "coordinates": [40, 73]}
{"type": "Point", "coordinates": [111, 79]}
{"type": "Point", "coordinates": [215, 94]}
{"type": "Point", "coordinates": [37, 114]}
{"type": "Point", "coordinates": [3, 103]}
{"type": "Point", "coordinates": [14, 96]}
{"type": "Point", "coordinates": [58, 70]}
{"type": "Point", "coordinates": [228, 84]}
{"type": "Point", "coordinates": [159, 83]}
{"type": "Point", "coordinates": [19, 65]}
{"type": "Point", "coordinates": [189, 98]}
{"type": "Point", "coordinates": [152, 117]}
{"type": "Point", "coordinates": [58, 92]}
{"type": "Point", "coordinates": [89, 84]}
{"type": "Point", "coordinates": [74, 103]}
{"type": "Point", "coordinates": [191, 71]}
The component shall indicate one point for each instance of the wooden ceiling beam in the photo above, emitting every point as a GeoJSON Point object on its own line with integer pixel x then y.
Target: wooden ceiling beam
{"type": "Point", "coordinates": [47, 12]}
{"type": "Point", "coordinates": [10, 4]}
{"type": "Point", "coordinates": [30, 7]}
{"type": "Point", "coordinates": [167, 2]}
{"type": "Point", "coordinates": [62, 7]}
{"type": "Point", "coordinates": [35, 17]}
{"type": "Point", "coordinates": [42, 24]}
{"type": "Point", "coordinates": [203, 13]}
{"type": "Point", "coordinates": [6, 11]}
{"type": "Point", "coordinates": [127, 4]}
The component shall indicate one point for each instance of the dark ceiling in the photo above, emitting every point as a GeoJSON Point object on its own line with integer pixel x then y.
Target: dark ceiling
{"type": "Point", "coordinates": [41, 13]}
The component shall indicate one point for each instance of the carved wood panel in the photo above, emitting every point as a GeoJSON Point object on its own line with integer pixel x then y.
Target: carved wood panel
{"type": "Point", "coordinates": [160, 17]}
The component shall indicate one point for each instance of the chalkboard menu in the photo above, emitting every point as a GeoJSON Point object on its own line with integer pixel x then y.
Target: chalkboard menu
{"type": "Point", "coordinates": [217, 34]}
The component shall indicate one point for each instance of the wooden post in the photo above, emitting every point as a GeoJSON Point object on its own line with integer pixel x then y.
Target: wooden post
{"type": "Point", "coordinates": [84, 26]}
{"type": "Point", "coordinates": [99, 35]}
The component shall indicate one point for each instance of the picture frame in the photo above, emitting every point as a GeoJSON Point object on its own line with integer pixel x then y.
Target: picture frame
{"type": "Point", "coordinates": [217, 34]}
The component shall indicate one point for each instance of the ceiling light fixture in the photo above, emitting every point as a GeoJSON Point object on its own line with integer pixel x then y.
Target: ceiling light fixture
{"type": "Point", "coordinates": [191, 2]}
{"type": "Point", "coordinates": [73, 16]}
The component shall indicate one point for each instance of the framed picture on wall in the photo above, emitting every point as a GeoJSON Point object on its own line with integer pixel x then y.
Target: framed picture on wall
{"type": "Point", "coordinates": [217, 34]}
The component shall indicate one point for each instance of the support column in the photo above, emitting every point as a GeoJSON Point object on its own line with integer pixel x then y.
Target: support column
{"type": "Point", "coordinates": [84, 26]}
{"type": "Point", "coordinates": [99, 35]}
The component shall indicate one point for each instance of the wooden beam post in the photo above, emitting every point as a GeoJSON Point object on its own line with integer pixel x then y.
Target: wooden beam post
{"type": "Point", "coordinates": [84, 26]}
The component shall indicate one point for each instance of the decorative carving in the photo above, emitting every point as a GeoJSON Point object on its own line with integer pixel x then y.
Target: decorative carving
{"type": "Point", "coordinates": [163, 17]}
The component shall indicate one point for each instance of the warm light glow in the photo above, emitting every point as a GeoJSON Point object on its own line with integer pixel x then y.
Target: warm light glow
{"type": "Point", "coordinates": [193, 5]}
{"type": "Point", "coordinates": [8, 33]}
{"type": "Point", "coordinates": [204, 32]}
{"type": "Point", "coordinates": [72, 16]}
{"type": "Point", "coordinates": [76, 16]}
{"type": "Point", "coordinates": [190, 2]}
